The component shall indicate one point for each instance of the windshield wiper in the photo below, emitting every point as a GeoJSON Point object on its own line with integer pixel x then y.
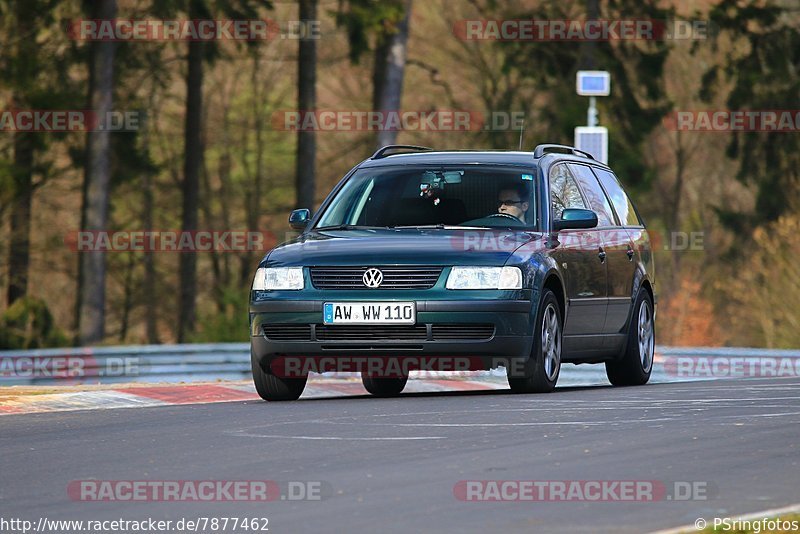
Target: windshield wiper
{"type": "Point", "coordinates": [424, 226]}
{"type": "Point", "coordinates": [344, 227]}
{"type": "Point", "coordinates": [446, 227]}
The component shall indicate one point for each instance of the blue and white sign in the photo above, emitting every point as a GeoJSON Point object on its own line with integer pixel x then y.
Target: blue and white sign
{"type": "Point", "coordinates": [594, 140]}
{"type": "Point", "coordinates": [593, 83]}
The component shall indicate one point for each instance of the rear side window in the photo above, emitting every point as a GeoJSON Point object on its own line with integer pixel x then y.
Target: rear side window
{"type": "Point", "coordinates": [594, 194]}
{"type": "Point", "coordinates": [564, 192]}
{"type": "Point", "coordinates": [622, 204]}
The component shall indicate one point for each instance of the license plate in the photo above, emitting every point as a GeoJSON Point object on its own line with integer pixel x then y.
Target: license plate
{"type": "Point", "coordinates": [369, 313]}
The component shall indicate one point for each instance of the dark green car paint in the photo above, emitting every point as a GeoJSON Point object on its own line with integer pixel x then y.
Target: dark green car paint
{"type": "Point", "coordinates": [566, 261]}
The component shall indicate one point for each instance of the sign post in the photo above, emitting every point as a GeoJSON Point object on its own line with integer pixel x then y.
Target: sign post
{"type": "Point", "coordinates": [593, 138]}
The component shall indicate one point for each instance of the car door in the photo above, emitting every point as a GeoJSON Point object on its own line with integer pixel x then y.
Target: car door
{"type": "Point", "coordinates": [584, 272]}
{"type": "Point", "coordinates": [619, 253]}
{"type": "Point", "coordinates": [639, 254]}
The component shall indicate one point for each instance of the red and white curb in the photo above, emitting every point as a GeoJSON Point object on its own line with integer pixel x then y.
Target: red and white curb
{"type": "Point", "coordinates": [29, 400]}
{"type": "Point", "coordinates": [175, 394]}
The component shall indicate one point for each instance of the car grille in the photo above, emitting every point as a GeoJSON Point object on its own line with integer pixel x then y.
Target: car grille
{"type": "Point", "coordinates": [418, 332]}
{"type": "Point", "coordinates": [462, 331]}
{"type": "Point", "coordinates": [288, 332]}
{"type": "Point", "coordinates": [393, 277]}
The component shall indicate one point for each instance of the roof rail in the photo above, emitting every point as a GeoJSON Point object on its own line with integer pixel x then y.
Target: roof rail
{"type": "Point", "coordinates": [382, 152]}
{"type": "Point", "coordinates": [541, 150]}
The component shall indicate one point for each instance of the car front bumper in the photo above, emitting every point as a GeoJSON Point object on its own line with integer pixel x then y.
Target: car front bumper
{"type": "Point", "coordinates": [511, 338]}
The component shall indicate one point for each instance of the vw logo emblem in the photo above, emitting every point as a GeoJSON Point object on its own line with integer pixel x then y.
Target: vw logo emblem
{"type": "Point", "coordinates": [372, 278]}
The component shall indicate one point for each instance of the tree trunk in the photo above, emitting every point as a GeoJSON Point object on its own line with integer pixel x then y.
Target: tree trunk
{"type": "Point", "coordinates": [674, 217]}
{"type": "Point", "coordinates": [24, 148]}
{"type": "Point", "coordinates": [149, 291]}
{"type": "Point", "coordinates": [306, 101]}
{"type": "Point", "coordinates": [395, 64]}
{"type": "Point", "coordinates": [19, 246]}
{"type": "Point", "coordinates": [379, 68]}
{"type": "Point", "coordinates": [193, 157]}
{"type": "Point", "coordinates": [127, 297]}
{"type": "Point", "coordinates": [149, 286]}
{"type": "Point", "coordinates": [92, 295]}
{"type": "Point", "coordinates": [219, 260]}
{"type": "Point", "coordinates": [253, 202]}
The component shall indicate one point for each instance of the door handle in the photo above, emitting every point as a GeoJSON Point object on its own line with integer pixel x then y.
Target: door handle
{"type": "Point", "coordinates": [602, 255]}
{"type": "Point", "coordinates": [630, 254]}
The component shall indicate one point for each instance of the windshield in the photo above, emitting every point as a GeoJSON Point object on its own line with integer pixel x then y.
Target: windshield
{"type": "Point", "coordinates": [443, 196]}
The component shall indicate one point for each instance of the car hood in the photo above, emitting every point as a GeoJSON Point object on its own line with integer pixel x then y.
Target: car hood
{"type": "Point", "coordinates": [363, 247]}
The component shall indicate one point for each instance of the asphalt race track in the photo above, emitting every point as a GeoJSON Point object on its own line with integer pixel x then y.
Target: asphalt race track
{"type": "Point", "coordinates": [391, 465]}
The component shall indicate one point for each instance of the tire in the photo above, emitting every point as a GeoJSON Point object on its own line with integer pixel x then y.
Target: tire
{"type": "Point", "coordinates": [383, 387]}
{"type": "Point", "coordinates": [274, 388]}
{"type": "Point", "coordinates": [541, 370]}
{"type": "Point", "coordinates": [637, 363]}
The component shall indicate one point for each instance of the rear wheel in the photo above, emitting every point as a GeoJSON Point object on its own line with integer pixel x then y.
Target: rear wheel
{"type": "Point", "coordinates": [636, 365]}
{"type": "Point", "coordinates": [541, 370]}
{"type": "Point", "coordinates": [275, 388]}
{"type": "Point", "coordinates": [383, 387]}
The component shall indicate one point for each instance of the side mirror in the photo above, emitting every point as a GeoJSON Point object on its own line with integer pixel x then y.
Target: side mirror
{"type": "Point", "coordinates": [574, 218]}
{"type": "Point", "coordinates": [299, 219]}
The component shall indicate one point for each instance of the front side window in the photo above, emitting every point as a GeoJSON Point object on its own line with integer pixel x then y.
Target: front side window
{"type": "Point", "coordinates": [414, 196]}
{"type": "Point", "coordinates": [564, 192]}
{"type": "Point", "coordinates": [594, 194]}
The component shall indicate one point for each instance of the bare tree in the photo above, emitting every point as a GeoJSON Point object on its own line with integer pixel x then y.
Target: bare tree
{"type": "Point", "coordinates": [192, 163]}
{"type": "Point", "coordinates": [306, 101]}
{"type": "Point", "coordinates": [19, 244]}
{"type": "Point", "coordinates": [92, 267]}
{"type": "Point", "coordinates": [393, 69]}
{"type": "Point", "coordinates": [149, 290]}
{"type": "Point", "coordinates": [22, 171]}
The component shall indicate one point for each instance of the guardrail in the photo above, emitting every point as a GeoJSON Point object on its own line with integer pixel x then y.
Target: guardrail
{"type": "Point", "coordinates": [131, 363]}
{"type": "Point", "coordinates": [231, 361]}
{"type": "Point", "coordinates": [730, 352]}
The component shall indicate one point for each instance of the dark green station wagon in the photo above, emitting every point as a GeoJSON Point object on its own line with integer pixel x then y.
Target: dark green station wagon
{"type": "Point", "coordinates": [459, 260]}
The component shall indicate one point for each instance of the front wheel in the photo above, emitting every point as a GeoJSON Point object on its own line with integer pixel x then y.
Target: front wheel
{"type": "Point", "coordinates": [636, 365]}
{"type": "Point", "coordinates": [383, 387]}
{"type": "Point", "coordinates": [274, 388]}
{"type": "Point", "coordinates": [541, 370]}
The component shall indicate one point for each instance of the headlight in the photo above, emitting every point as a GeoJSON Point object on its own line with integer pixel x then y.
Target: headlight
{"type": "Point", "coordinates": [484, 278]}
{"type": "Point", "coordinates": [269, 278]}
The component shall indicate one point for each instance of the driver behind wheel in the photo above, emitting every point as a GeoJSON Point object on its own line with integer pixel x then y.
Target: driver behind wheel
{"type": "Point", "coordinates": [510, 202]}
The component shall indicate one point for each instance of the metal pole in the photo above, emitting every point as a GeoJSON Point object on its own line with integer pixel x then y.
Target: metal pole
{"type": "Point", "coordinates": [591, 116]}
